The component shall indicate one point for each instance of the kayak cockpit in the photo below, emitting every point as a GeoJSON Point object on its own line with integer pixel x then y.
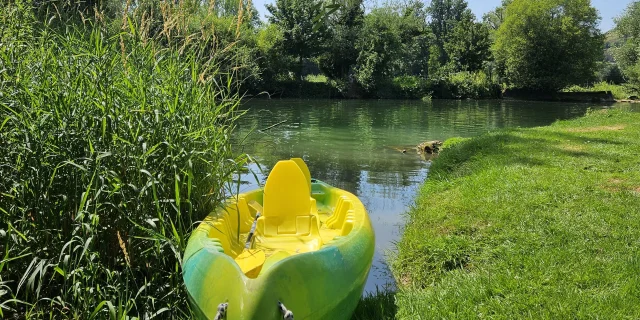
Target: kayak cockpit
{"type": "Point", "coordinates": [290, 218]}
{"type": "Point", "coordinates": [294, 216]}
{"type": "Point", "coordinates": [297, 242]}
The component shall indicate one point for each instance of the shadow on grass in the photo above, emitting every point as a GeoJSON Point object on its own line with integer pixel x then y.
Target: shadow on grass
{"type": "Point", "coordinates": [530, 149]}
{"type": "Point", "coordinates": [379, 306]}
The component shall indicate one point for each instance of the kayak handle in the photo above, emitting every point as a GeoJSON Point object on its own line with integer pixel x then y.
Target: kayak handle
{"type": "Point", "coordinates": [286, 314]}
{"type": "Point", "coordinates": [222, 311]}
{"type": "Point", "coordinates": [253, 230]}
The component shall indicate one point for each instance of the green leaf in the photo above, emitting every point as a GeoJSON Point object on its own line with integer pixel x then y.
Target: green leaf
{"type": "Point", "coordinates": [60, 271]}
{"type": "Point", "coordinates": [97, 309]}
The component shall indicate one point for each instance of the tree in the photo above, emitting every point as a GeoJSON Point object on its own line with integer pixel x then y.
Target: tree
{"type": "Point", "coordinates": [394, 42]}
{"type": "Point", "coordinates": [302, 37]}
{"type": "Point", "coordinates": [377, 45]}
{"type": "Point", "coordinates": [628, 54]}
{"type": "Point", "coordinates": [340, 54]}
{"type": "Point", "coordinates": [461, 44]}
{"type": "Point", "coordinates": [549, 44]}
{"type": "Point", "coordinates": [493, 19]}
{"type": "Point", "coordinates": [445, 15]}
{"type": "Point", "coordinates": [416, 39]}
{"type": "Point", "coordinates": [468, 44]}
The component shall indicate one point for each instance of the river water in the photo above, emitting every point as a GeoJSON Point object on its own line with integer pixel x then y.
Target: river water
{"type": "Point", "coordinates": [354, 145]}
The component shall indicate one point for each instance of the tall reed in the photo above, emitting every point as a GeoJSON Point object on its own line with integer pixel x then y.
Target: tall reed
{"type": "Point", "coordinates": [114, 146]}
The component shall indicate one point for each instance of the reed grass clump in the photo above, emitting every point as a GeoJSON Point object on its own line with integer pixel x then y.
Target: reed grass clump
{"type": "Point", "coordinates": [114, 146]}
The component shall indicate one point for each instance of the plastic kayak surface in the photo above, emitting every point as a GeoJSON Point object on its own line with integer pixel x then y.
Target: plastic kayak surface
{"type": "Point", "coordinates": [297, 241]}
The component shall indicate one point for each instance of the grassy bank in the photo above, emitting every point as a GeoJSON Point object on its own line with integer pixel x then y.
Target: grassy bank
{"type": "Point", "coordinates": [619, 91]}
{"type": "Point", "coordinates": [540, 222]}
{"type": "Point", "coordinates": [379, 306]}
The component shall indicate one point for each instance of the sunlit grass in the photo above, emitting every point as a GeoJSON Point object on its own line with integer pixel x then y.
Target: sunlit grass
{"type": "Point", "coordinates": [378, 306]}
{"type": "Point", "coordinates": [619, 91]}
{"type": "Point", "coordinates": [316, 78]}
{"type": "Point", "coordinates": [522, 223]}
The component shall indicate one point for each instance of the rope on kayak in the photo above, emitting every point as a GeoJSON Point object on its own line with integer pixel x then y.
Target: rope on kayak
{"type": "Point", "coordinates": [286, 314]}
{"type": "Point", "coordinates": [222, 311]}
{"type": "Point", "coordinates": [247, 245]}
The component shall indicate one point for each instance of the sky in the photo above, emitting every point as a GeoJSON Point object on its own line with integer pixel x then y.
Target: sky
{"type": "Point", "coordinates": [608, 9]}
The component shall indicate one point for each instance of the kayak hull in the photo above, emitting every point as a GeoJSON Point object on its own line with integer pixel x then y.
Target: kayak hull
{"type": "Point", "coordinates": [323, 284]}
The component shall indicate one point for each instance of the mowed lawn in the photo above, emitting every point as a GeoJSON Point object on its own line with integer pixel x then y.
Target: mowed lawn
{"type": "Point", "coordinates": [528, 223]}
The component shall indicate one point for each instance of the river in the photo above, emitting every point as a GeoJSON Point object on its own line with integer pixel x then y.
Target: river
{"type": "Point", "coordinates": [354, 145]}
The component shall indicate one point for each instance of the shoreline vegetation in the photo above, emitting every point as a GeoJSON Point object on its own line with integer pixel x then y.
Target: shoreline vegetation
{"type": "Point", "coordinates": [116, 118]}
{"type": "Point", "coordinates": [517, 220]}
{"type": "Point", "coordinates": [115, 141]}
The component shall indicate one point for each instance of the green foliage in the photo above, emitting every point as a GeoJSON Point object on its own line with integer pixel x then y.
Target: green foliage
{"type": "Point", "coordinates": [460, 43]}
{"type": "Point", "coordinates": [620, 92]}
{"type": "Point", "coordinates": [474, 85]}
{"type": "Point", "coordinates": [340, 54]}
{"type": "Point", "coordinates": [445, 15]}
{"type": "Point", "coordinates": [468, 45]}
{"type": "Point", "coordinates": [274, 65]}
{"type": "Point", "coordinates": [316, 78]}
{"type": "Point", "coordinates": [494, 19]}
{"type": "Point", "coordinates": [232, 8]}
{"type": "Point", "coordinates": [536, 43]}
{"type": "Point", "coordinates": [628, 54]}
{"type": "Point", "coordinates": [394, 42]}
{"type": "Point", "coordinates": [610, 72]}
{"type": "Point", "coordinates": [452, 142]}
{"type": "Point", "coordinates": [464, 85]}
{"type": "Point", "coordinates": [378, 48]}
{"type": "Point", "coordinates": [416, 39]}
{"type": "Point", "coordinates": [302, 38]}
{"type": "Point", "coordinates": [527, 219]}
{"type": "Point", "coordinates": [114, 146]}
{"type": "Point", "coordinates": [62, 12]}
{"type": "Point", "coordinates": [404, 87]}
{"type": "Point", "coordinates": [379, 306]}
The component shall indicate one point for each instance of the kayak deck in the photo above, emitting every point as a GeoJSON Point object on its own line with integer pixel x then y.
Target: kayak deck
{"type": "Point", "coordinates": [311, 249]}
{"type": "Point", "coordinates": [296, 216]}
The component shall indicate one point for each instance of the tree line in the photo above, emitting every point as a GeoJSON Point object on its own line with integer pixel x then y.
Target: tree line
{"type": "Point", "coordinates": [400, 49]}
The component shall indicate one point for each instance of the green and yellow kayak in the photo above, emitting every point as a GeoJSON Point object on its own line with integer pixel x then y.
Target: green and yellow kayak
{"type": "Point", "coordinates": [297, 246]}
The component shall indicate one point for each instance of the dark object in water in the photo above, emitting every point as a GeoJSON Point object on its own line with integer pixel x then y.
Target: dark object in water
{"type": "Point", "coordinates": [429, 147]}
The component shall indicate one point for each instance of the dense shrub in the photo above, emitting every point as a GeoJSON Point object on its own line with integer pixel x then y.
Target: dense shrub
{"type": "Point", "coordinates": [113, 147]}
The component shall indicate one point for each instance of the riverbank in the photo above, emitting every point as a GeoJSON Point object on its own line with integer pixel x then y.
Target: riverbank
{"type": "Point", "coordinates": [620, 92]}
{"type": "Point", "coordinates": [525, 221]}
{"type": "Point", "coordinates": [463, 86]}
{"type": "Point", "coordinates": [454, 86]}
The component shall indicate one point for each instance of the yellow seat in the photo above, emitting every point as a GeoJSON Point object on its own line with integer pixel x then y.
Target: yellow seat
{"type": "Point", "coordinates": [305, 170]}
{"type": "Point", "coordinates": [342, 210]}
{"type": "Point", "coordinates": [287, 222]}
{"type": "Point", "coordinates": [307, 175]}
{"type": "Point", "coordinates": [251, 262]}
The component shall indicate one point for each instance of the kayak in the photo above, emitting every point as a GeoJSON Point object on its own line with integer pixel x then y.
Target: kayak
{"type": "Point", "coordinates": [297, 247]}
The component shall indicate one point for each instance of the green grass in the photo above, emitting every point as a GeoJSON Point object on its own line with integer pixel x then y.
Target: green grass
{"type": "Point", "coordinates": [316, 78]}
{"type": "Point", "coordinates": [619, 91]}
{"type": "Point", "coordinates": [113, 147]}
{"type": "Point", "coordinates": [378, 306]}
{"type": "Point", "coordinates": [528, 223]}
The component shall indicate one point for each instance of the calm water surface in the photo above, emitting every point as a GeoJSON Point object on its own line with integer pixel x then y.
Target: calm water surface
{"type": "Point", "coordinates": [354, 145]}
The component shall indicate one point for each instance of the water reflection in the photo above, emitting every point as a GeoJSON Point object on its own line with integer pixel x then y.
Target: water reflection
{"type": "Point", "coordinates": [354, 145]}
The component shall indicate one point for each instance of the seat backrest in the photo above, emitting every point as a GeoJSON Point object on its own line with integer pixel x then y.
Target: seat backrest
{"type": "Point", "coordinates": [286, 193]}
{"type": "Point", "coordinates": [304, 169]}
